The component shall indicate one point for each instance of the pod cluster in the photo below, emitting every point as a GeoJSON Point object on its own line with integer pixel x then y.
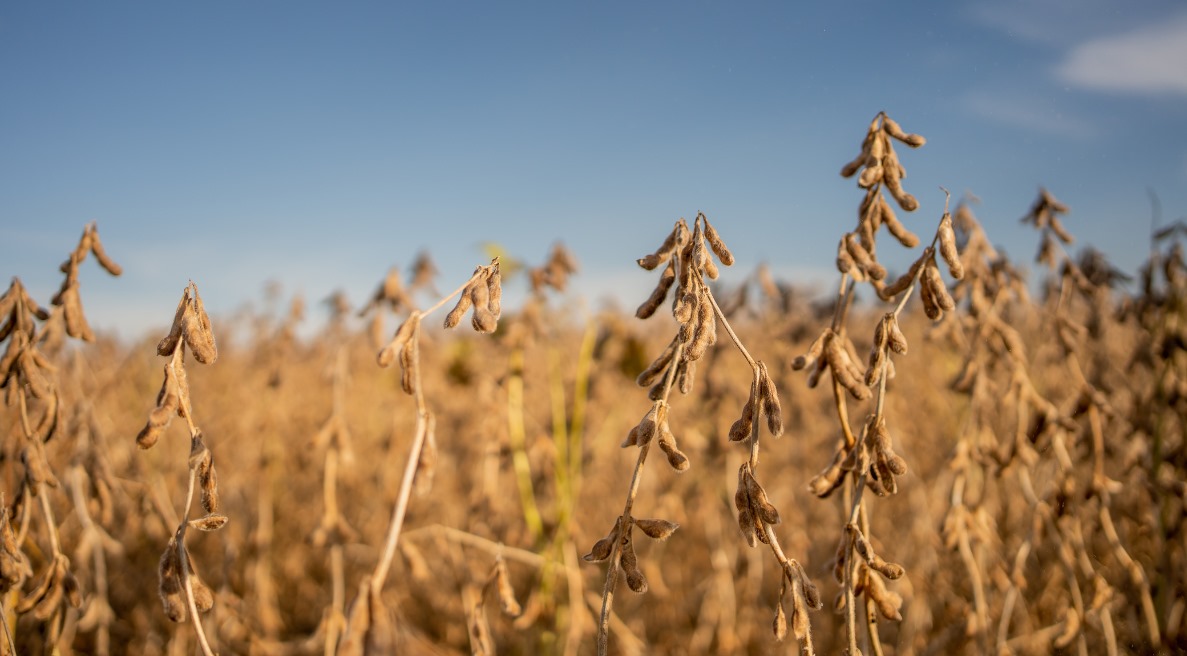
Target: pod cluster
{"type": "Point", "coordinates": [656, 529]}
{"type": "Point", "coordinates": [880, 170]}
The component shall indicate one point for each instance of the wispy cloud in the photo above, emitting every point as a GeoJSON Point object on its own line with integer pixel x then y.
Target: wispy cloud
{"type": "Point", "coordinates": [1031, 114]}
{"type": "Point", "coordinates": [1151, 59]}
{"type": "Point", "coordinates": [1058, 23]}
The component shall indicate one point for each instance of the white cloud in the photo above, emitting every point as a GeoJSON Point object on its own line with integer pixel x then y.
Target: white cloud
{"type": "Point", "coordinates": [1047, 22]}
{"type": "Point", "coordinates": [1151, 59]}
{"type": "Point", "coordinates": [1027, 113]}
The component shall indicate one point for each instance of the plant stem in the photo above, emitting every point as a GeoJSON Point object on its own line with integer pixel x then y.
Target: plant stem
{"type": "Point", "coordinates": [517, 438]}
{"type": "Point", "coordinates": [183, 559]}
{"type": "Point", "coordinates": [393, 537]}
{"type": "Point", "coordinates": [612, 570]}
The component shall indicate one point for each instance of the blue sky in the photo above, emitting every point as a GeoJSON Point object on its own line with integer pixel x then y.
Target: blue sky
{"type": "Point", "coordinates": [318, 144]}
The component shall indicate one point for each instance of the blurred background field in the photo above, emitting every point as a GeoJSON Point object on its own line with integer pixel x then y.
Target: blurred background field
{"type": "Point", "coordinates": [264, 402]}
{"type": "Point", "coordinates": [290, 160]}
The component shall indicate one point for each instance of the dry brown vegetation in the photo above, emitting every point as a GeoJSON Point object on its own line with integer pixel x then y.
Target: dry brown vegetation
{"type": "Point", "coordinates": [1002, 473]}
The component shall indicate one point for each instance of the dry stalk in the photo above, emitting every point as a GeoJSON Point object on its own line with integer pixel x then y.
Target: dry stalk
{"type": "Point", "coordinates": [687, 265]}
{"type": "Point", "coordinates": [866, 458]}
{"type": "Point", "coordinates": [1159, 311]}
{"type": "Point", "coordinates": [30, 383]}
{"type": "Point", "coordinates": [1090, 281]}
{"type": "Point", "coordinates": [334, 532]}
{"type": "Point", "coordinates": [394, 295]}
{"type": "Point", "coordinates": [474, 602]}
{"type": "Point", "coordinates": [1059, 442]}
{"type": "Point", "coordinates": [181, 590]}
{"type": "Point", "coordinates": [368, 629]}
{"type": "Point", "coordinates": [91, 486]}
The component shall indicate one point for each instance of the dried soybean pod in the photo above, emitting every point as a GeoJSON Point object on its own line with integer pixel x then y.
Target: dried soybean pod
{"type": "Point", "coordinates": [657, 297]}
{"type": "Point", "coordinates": [745, 514]}
{"type": "Point", "coordinates": [683, 308]}
{"type": "Point", "coordinates": [645, 430]}
{"type": "Point", "coordinates": [705, 331]}
{"type": "Point", "coordinates": [80, 251]}
{"type": "Point", "coordinates": [842, 367]}
{"type": "Point", "coordinates": [811, 592]}
{"type": "Point", "coordinates": [947, 238]}
{"type": "Point", "coordinates": [845, 263]}
{"type": "Point", "coordinates": [686, 374]}
{"type": "Point", "coordinates": [888, 602]}
{"type": "Point", "coordinates": [740, 430]}
{"type": "Point", "coordinates": [203, 596]}
{"type": "Point", "coordinates": [873, 372]}
{"type": "Point", "coordinates": [770, 401]}
{"type": "Point", "coordinates": [198, 334]}
{"type": "Point", "coordinates": [863, 258]}
{"type": "Point", "coordinates": [894, 130]}
{"type": "Point", "coordinates": [719, 248]}
{"type": "Point", "coordinates": [704, 263]}
{"type": "Point", "coordinates": [762, 505]}
{"type": "Point", "coordinates": [891, 127]}
{"type": "Point", "coordinates": [869, 212]}
{"type": "Point", "coordinates": [482, 319]}
{"type": "Point", "coordinates": [905, 200]}
{"type": "Point", "coordinates": [900, 285]}
{"type": "Point", "coordinates": [494, 286]}
{"type": "Point", "coordinates": [169, 586]}
{"type": "Point", "coordinates": [602, 548]}
{"type": "Point", "coordinates": [828, 480]}
{"type": "Point", "coordinates": [76, 321]}
{"type": "Point", "coordinates": [507, 598]}
{"type": "Point", "coordinates": [657, 529]}
{"type": "Point", "coordinates": [895, 337]}
{"type": "Point", "coordinates": [896, 228]}
{"type": "Point", "coordinates": [665, 250]}
{"type": "Point", "coordinates": [148, 436]}
{"type": "Point", "coordinates": [652, 260]}
{"type": "Point", "coordinates": [814, 351]}
{"type": "Point", "coordinates": [657, 367]}
{"type": "Point", "coordinates": [799, 617]}
{"type": "Point", "coordinates": [932, 277]}
{"type": "Point", "coordinates": [403, 334]}
{"type": "Point", "coordinates": [408, 366]}
{"type": "Point", "coordinates": [630, 565]}
{"type": "Point", "coordinates": [169, 343]}
{"type": "Point", "coordinates": [779, 627]}
{"type": "Point", "coordinates": [931, 307]}
{"type": "Point", "coordinates": [870, 177]}
{"type": "Point", "coordinates": [667, 443]}
{"type": "Point", "coordinates": [854, 164]}
{"type": "Point", "coordinates": [101, 255]}
{"type": "Point", "coordinates": [463, 303]}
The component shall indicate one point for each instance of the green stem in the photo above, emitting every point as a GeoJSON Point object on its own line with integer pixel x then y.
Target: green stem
{"type": "Point", "coordinates": [519, 456]}
{"type": "Point", "coordinates": [560, 436]}
{"type": "Point", "coordinates": [580, 398]}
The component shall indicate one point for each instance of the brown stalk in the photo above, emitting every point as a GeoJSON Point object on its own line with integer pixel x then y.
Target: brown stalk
{"type": "Point", "coordinates": [856, 262]}
{"type": "Point", "coordinates": [191, 327]}
{"type": "Point", "coordinates": [363, 632]}
{"type": "Point", "coordinates": [422, 417]}
{"type": "Point", "coordinates": [696, 310]}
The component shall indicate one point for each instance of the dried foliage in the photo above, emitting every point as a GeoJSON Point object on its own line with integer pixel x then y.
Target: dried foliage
{"type": "Point", "coordinates": [179, 586]}
{"type": "Point", "coordinates": [33, 391]}
{"type": "Point", "coordinates": [688, 265]}
{"type": "Point", "coordinates": [995, 464]}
